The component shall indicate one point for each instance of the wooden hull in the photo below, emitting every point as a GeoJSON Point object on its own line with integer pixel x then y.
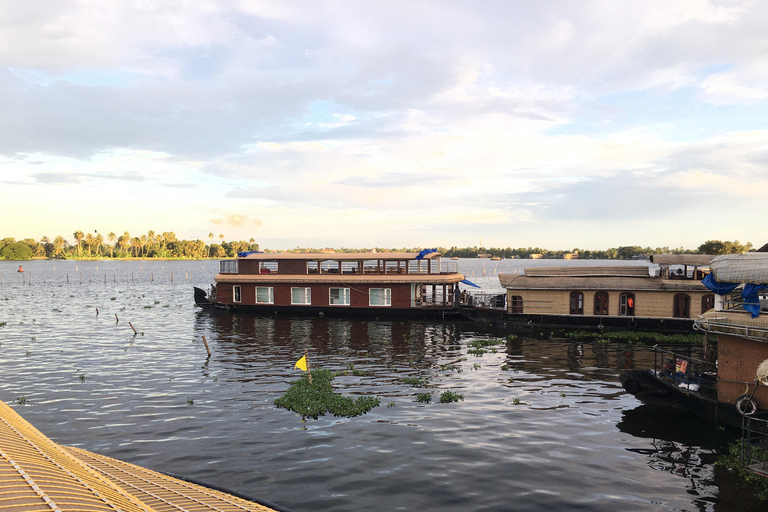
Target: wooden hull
{"type": "Point", "coordinates": [586, 322]}
{"type": "Point", "coordinates": [337, 311]}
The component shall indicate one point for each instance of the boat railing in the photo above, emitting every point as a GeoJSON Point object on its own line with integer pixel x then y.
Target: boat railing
{"type": "Point", "coordinates": [678, 367]}
{"type": "Point", "coordinates": [484, 300]}
{"type": "Point", "coordinates": [754, 443]}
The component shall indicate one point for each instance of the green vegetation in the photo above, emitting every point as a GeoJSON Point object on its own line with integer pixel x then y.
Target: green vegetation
{"type": "Point", "coordinates": [416, 382]}
{"type": "Point", "coordinates": [635, 337]}
{"type": "Point", "coordinates": [448, 397]}
{"type": "Point", "coordinates": [756, 484]}
{"type": "Point", "coordinates": [315, 400]}
{"type": "Point", "coordinates": [166, 245]}
{"type": "Point", "coordinates": [424, 398]}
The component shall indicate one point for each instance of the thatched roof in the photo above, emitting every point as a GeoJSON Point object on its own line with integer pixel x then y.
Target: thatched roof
{"type": "Point", "coordinates": [681, 259]}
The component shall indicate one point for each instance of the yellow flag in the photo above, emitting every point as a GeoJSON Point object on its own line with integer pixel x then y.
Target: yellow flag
{"type": "Point", "coordinates": [301, 364]}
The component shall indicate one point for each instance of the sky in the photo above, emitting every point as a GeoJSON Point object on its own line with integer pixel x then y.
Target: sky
{"type": "Point", "coordinates": [554, 124]}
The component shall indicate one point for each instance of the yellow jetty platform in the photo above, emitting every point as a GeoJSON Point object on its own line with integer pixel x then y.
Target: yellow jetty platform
{"type": "Point", "coordinates": [38, 475]}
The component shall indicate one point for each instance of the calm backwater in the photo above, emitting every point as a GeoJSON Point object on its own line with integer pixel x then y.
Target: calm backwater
{"type": "Point", "coordinates": [544, 424]}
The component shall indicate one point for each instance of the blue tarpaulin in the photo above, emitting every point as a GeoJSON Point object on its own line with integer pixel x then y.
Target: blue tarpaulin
{"type": "Point", "coordinates": [470, 283]}
{"type": "Point", "coordinates": [718, 288]}
{"type": "Point", "coordinates": [246, 253]}
{"type": "Point", "coordinates": [424, 253]}
{"type": "Point", "coordinates": [749, 293]}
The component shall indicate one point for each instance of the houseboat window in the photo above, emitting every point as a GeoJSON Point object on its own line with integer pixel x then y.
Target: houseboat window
{"type": "Point", "coordinates": [516, 305]}
{"type": "Point", "coordinates": [339, 296]}
{"type": "Point", "coordinates": [577, 303]}
{"type": "Point", "coordinates": [268, 267]}
{"type": "Point", "coordinates": [312, 267]}
{"type": "Point", "coordinates": [228, 267]}
{"type": "Point", "coordinates": [380, 297]}
{"type": "Point", "coordinates": [707, 302]}
{"type": "Point", "coordinates": [265, 294]}
{"type": "Point", "coordinates": [601, 303]}
{"type": "Point", "coordinates": [236, 293]}
{"type": "Point", "coordinates": [682, 306]}
{"type": "Point", "coordinates": [627, 304]}
{"type": "Point", "coordinates": [301, 296]}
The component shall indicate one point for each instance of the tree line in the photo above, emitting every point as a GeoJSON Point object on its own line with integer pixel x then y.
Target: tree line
{"type": "Point", "coordinates": [97, 246]}
{"type": "Point", "coordinates": [166, 245]}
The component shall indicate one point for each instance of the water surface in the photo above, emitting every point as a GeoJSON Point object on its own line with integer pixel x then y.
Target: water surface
{"type": "Point", "coordinates": [544, 424]}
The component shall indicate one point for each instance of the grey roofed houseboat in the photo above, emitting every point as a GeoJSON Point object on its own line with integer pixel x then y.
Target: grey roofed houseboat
{"type": "Point", "coordinates": [379, 284]}
{"type": "Point", "coordinates": [627, 296]}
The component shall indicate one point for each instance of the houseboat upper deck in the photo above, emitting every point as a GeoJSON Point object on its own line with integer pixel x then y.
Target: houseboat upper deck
{"type": "Point", "coordinates": [381, 284]}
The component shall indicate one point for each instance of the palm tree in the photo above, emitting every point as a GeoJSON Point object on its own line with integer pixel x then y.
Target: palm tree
{"type": "Point", "coordinates": [79, 237]}
{"type": "Point", "coordinates": [99, 242]}
{"type": "Point", "coordinates": [124, 241]}
{"type": "Point", "coordinates": [150, 240]}
{"type": "Point", "coordinates": [89, 242]}
{"type": "Point", "coordinates": [58, 245]}
{"type": "Point", "coordinates": [111, 236]}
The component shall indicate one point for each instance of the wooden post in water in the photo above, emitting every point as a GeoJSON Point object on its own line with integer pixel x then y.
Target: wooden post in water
{"type": "Point", "coordinates": [309, 370]}
{"type": "Point", "coordinates": [117, 319]}
{"type": "Point", "coordinates": [134, 329]}
{"type": "Point", "coordinates": [97, 311]}
{"type": "Point", "coordinates": [206, 347]}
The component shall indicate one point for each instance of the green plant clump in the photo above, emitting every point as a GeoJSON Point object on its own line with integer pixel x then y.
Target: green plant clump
{"type": "Point", "coordinates": [637, 337]}
{"type": "Point", "coordinates": [732, 460]}
{"type": "Point", "coordinates": [424, 398]}
{"type": "Point", "coordinates": [416, 382]}
{"type": "Point", "coordinates": [315, 400]}
{"type": "Point", "coordinates": [448, 397]}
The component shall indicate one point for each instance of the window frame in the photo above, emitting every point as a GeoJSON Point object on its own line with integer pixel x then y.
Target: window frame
{"type": "Point", "coordinates": [707, 302]}
{"type": "Point", "coordinates": [270, 293]}
{"type": "Point", "coordinates": [607, 303]}
{"type": "Point", "coordinates": [237, 294]}
{"type": "Point", "coordinates": [344, 295]}
{"type": "Point", "coordinates": [681, 301]}
{"type": "Point", "coordinates": [387, 297]}
{"type": "Point", "coordinates": [624, 308]}
{"type": "Point", "coordinates": [576, 298]}
{"type": "Point", "coordinates": [516, 304]}
{"type": "Point", "coordinates": [228, 267]}
{"type": "Point", "coordinates": [306, 292]}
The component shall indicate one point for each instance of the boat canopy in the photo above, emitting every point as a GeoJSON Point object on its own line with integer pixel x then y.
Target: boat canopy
{"type": "Point", "coordinates": [731, 270]}
{"type": "Point", "coordinates": [699, 260]}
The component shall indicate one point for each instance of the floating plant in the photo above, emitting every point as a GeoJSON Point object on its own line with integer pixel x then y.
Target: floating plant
{"type": "Point", "coordinates": [424, 398]}
{"type": "Point", "coordinates": [416, 382]}
{"type": "Point", "coordinates": [318, 398]}
{"type": "Point", "coordinates": [448, 397]}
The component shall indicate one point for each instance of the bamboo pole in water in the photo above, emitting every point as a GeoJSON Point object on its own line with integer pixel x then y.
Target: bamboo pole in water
{"type": "Point", "coordinates": [206, 347]}
{"type": "Point", "coordinates": [134, 329]}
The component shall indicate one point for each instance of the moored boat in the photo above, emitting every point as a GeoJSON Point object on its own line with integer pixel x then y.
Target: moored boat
{"type": "Point", "coordinates": [377, 284]}
{"type": "Point", "coordinates": [727, 379]}
{"type": "Point", "coordinates": [597, 297]}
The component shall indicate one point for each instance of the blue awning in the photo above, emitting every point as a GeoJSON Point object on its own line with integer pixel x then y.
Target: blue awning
{"type": "Point", "coordinates": [470, 283]}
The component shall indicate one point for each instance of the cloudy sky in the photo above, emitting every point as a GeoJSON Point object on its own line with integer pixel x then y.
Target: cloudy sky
{"type": "Point", "coordinates": [558, 124]}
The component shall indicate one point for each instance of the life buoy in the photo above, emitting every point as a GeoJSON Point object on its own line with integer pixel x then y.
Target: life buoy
{"type": "Point", "coordinates": [746, 406]}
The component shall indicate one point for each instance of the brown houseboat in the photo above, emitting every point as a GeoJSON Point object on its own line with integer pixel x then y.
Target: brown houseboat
{"type": "Point", "coordinates": [379, 284]}
{"type": "Point", "coordinates": [606, 296]}
{"type": "Point", "coordinates": [726, 379]}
